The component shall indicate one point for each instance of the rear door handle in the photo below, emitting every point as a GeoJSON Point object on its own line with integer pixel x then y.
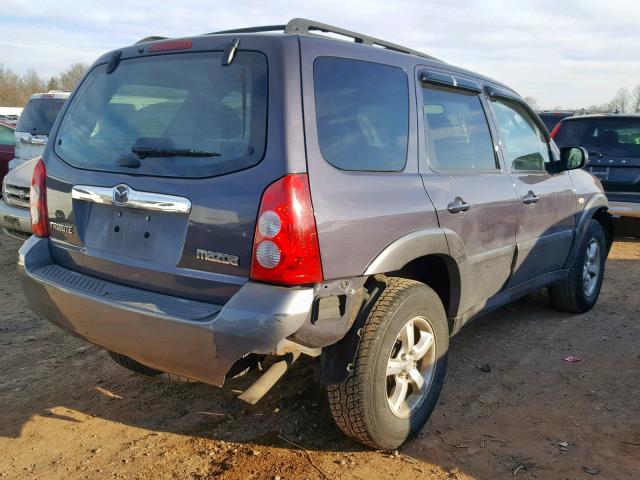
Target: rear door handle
{"type": "Point", "coordinates": [458, 205]}
{"type": "Point", "coordinates": [530, 198]}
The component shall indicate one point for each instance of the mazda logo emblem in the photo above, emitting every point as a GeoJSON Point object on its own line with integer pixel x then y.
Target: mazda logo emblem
{"type": "Point", "coordinates": [120, 195]}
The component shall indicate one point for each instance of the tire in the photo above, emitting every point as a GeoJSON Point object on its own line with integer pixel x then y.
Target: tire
{"type": "Point", "coordinates": [362, 405]}
{"type": "Point", "coordinates": [140, 369]}
{"type": "Point", "coordinates": [574, 294]}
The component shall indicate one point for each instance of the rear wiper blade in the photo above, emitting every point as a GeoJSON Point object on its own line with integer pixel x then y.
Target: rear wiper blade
{"type": "Point", "coordinates": [143, 152]}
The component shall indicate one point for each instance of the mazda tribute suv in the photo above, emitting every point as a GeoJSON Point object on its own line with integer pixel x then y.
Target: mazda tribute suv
{"type": "Point", "coordinates": [205, 203]}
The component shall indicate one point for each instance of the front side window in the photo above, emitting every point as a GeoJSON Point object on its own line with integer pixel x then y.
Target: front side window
{"type": "Point", "coordinates": [362, 114]}
{"type": "Point", "coordinates": [179, 115]}
{"type": "Point", "coordinates": [458, 130]}
{"type": "Point", "coordinates": [523, 142]}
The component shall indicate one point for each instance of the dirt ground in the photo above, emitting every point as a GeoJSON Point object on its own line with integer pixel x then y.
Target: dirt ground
{"type": "Point", "coordinates": [511, 406]}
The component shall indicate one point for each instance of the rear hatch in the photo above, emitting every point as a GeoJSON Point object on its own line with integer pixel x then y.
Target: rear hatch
{"type": "Point", "coordinates": [157, 169]}
{"type": "Point", "coordinates": [34, 125]}
{"type": "Point", "coordinates": [613, 143]}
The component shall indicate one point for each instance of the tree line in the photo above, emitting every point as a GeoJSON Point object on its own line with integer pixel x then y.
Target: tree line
{"type": "Point", "coordinates": [16, 89]}
{"type": "Point", "coordinates": [625, 100]}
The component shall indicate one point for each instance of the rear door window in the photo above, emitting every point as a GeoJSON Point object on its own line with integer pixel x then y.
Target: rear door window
{"type": "Point", "coordinates": [39, 114]}
{"type": "Point", "coordinates": [616, 137]}
{"type": "Point", "coordinates": [362, 114]}
{"type": "Point", "coordinates": [180, 115]}
{"type": "Point", "coordinates": [457, 129]}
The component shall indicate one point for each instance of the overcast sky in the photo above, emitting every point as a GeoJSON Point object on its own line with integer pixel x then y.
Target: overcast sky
{"type": "Point", "coordinates": [562, 52]}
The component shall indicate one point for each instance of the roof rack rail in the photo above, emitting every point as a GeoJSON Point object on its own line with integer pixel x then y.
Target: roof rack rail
{"type": "Point", "coordinates": [303, 26]}
{"type": "Point", "coordinates": [265, 28]}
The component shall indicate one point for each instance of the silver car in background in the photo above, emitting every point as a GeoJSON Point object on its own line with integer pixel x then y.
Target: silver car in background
{"type": "Point", "coordinates": [34, 125]}
{"type": "Point", "coordinates": [15, 218]}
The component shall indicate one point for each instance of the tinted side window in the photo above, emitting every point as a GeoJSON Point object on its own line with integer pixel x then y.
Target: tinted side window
{"type": "Point", "coordinates": [362, 114]}
{"type": "Point", "coordinates": [524, 144]}
{"type": "Point", "coordinates": [458, 130]}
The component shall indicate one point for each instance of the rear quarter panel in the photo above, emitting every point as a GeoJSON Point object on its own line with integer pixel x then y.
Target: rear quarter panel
{"type": "Point", "coordinates": [359, 213]}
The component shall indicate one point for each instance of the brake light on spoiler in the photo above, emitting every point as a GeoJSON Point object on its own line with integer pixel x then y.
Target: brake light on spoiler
{"type": "Point", "coordinates": [170, 45]}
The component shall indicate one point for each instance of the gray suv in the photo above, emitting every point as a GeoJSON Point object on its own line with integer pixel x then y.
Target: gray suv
{"type": "Point", "coordinates": [210, 204]}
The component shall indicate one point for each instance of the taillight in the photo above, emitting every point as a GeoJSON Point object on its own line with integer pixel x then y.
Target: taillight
{"type": "Point", "coordinates": [554, 132]}
{"type": "Point", "coordinates": [285, 245]}
{"type": "Point", "coordinates": [38, 201]}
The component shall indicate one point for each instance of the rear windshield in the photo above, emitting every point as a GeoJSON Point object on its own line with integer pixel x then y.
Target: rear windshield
{"type": "Point", "coordinates": [39, 114]}
{"type": "Point", "coordinates": [616, 137]}
{"type": "Point", "coordinates": [179, 115]}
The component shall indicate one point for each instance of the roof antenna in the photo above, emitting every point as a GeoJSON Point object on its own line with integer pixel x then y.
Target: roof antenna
{"type": "Point", "coordinates": [230, 52]}
{"type": "Point", "coordinates": [114, 62]}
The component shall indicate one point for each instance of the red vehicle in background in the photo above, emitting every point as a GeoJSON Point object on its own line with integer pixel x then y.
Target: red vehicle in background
{"type": "Point", "coordinates": [7, 147]}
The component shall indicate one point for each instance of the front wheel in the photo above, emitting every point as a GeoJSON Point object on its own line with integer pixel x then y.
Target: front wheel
{"type": "Point", "coordinates": [399, 368]}
{"type": "Point", "coordinates": [579, 291]}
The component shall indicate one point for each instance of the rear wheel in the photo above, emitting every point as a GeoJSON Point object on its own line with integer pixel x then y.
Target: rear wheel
{"type": "Point", "coordinates": [579, 291]}
{"type": "Point", "coordinates": [399, 368]}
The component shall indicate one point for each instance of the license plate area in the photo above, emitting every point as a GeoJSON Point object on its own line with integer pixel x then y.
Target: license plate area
{"type": "Point", "coordinates": [143, 235]}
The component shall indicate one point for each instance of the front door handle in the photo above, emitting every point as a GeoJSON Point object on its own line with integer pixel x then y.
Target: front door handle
{"type": "Point", "coordinates": [530, 198]}
{"type": "Point", "coordinates": [458, 205]}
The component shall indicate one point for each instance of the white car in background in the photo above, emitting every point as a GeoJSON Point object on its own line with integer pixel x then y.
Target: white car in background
{"type": "Point", "coordinates": [34, 125]}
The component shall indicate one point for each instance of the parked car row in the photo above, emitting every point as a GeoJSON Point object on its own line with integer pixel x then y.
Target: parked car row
{"type": "Point", "coordinates": [22, 145]}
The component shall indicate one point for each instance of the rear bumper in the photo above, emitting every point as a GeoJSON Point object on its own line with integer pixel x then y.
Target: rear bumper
{"type": "Point", "coordinates": [625, 209]}
{"type": "Point", "coordinates": [193, 339]}
{"type": "Point", "coordinates": [15, 221]}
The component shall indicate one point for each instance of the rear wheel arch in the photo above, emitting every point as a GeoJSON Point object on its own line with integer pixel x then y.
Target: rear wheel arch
{"type": "Point", "coordinates": [441, 273]}
{"type": "Point", "coordinates": [425, 255]}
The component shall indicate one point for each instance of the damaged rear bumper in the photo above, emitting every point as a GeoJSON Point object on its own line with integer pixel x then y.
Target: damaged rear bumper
{"type": "Point", "coordinates": [193, 339]}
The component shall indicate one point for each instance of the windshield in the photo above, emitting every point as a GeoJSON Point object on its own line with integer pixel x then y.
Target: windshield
{"type": "Point", "coordinates": [151, 114]}
{"type": "Point", "coordinates": [39, 114]}
{"type": "Point", "coordinates": [616, 137]}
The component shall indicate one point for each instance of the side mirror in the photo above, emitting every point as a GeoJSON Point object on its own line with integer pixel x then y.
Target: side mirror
{"type": "Point", "coordinates": [572, 158]}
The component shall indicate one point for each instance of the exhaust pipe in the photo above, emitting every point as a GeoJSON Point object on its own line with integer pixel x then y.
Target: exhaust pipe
{"type": "Point", "coordinates": [268, 379]}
